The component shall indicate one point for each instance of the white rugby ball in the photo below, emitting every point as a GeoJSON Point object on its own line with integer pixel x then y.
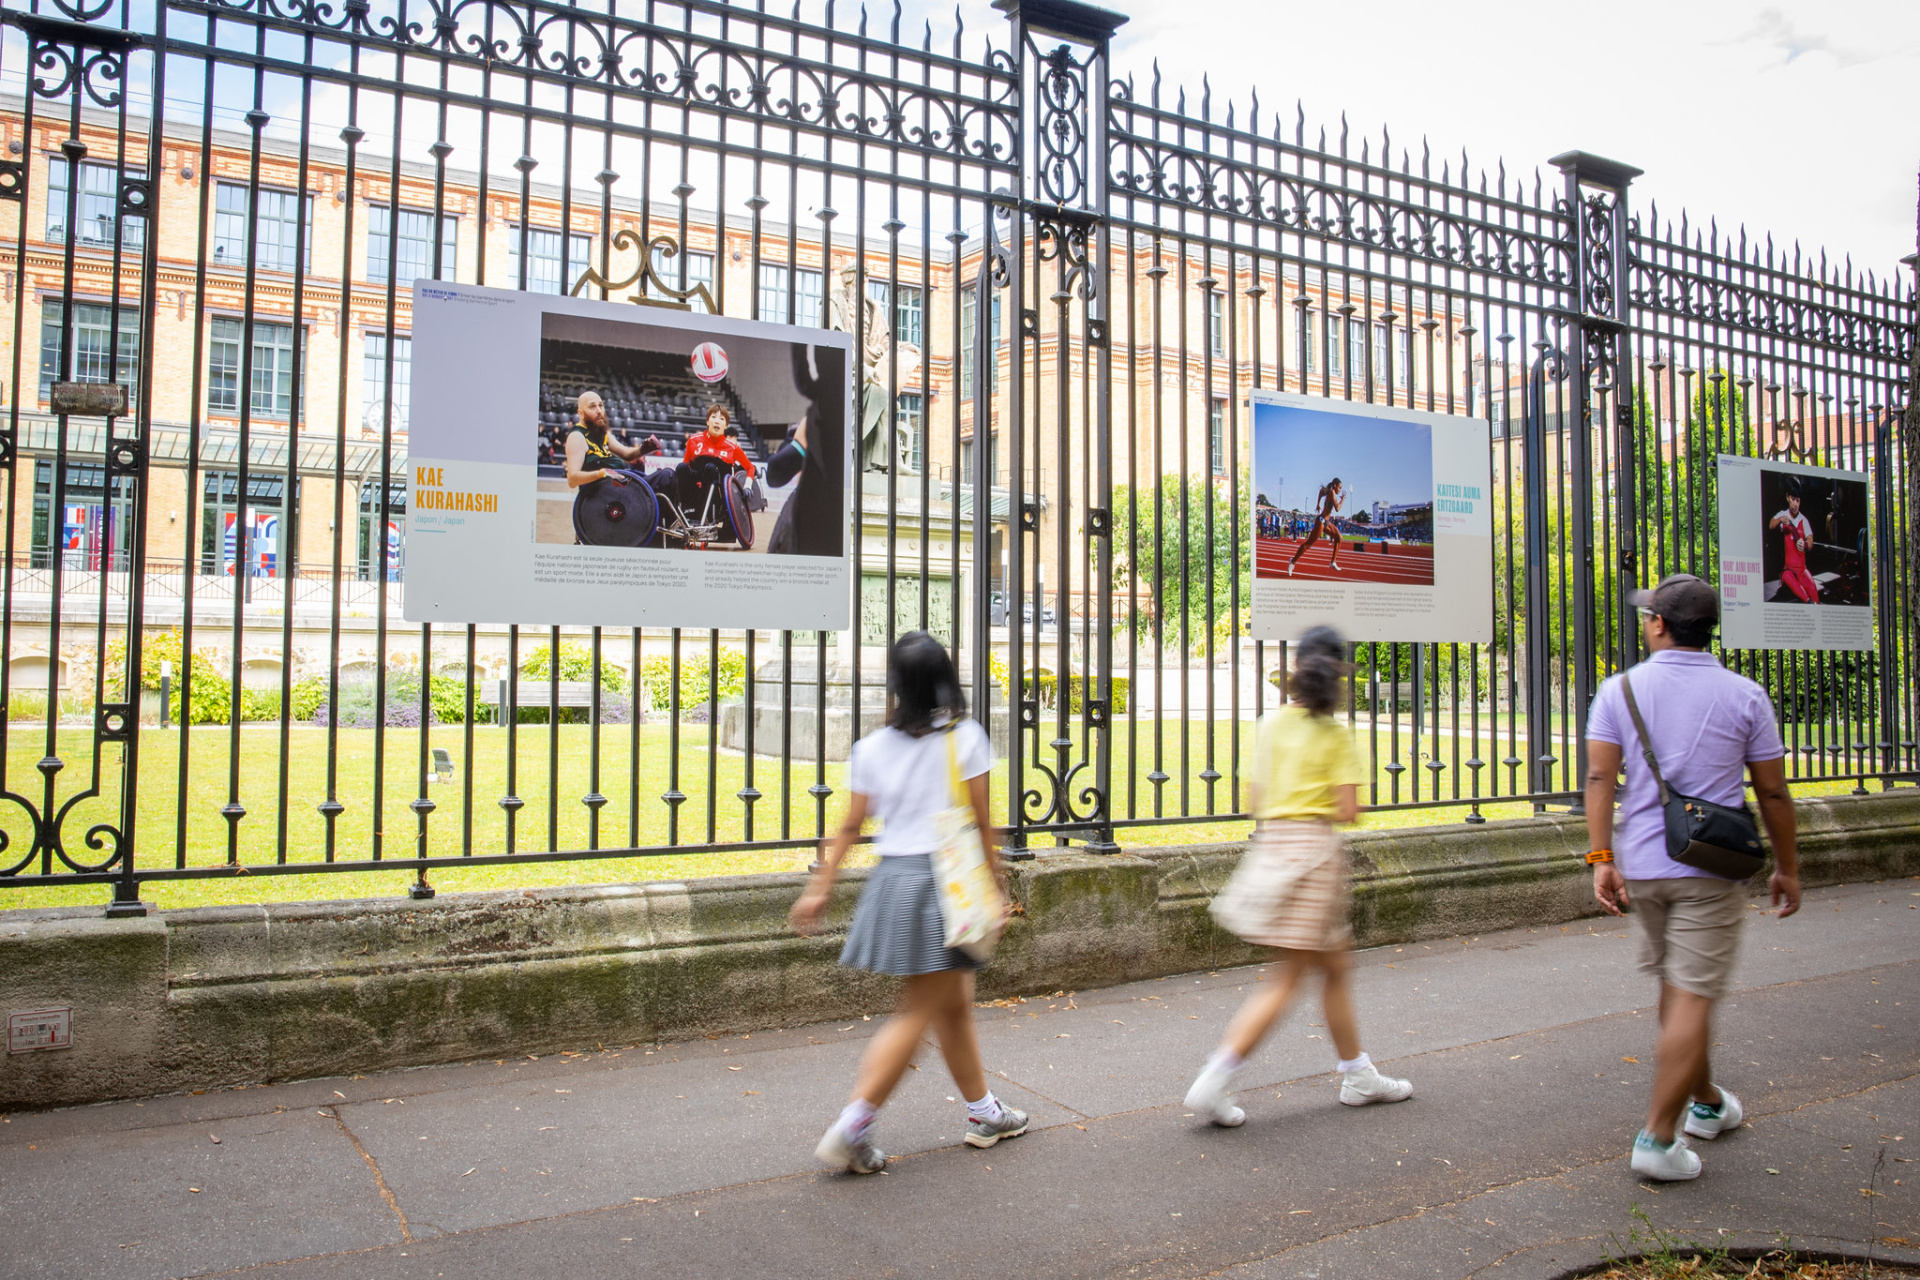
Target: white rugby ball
{"type": "Point", "coordinates": [709, 362]}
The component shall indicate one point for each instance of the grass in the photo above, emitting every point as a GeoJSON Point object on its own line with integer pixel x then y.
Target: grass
{"type": "Point", "coordinates": [181, 808]}
{"type": "Point", "coordinates": [1655, 1254]}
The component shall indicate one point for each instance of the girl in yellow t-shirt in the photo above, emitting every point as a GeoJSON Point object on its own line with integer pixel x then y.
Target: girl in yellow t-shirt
{"type": "Point", "coordinates": [1290, 892]}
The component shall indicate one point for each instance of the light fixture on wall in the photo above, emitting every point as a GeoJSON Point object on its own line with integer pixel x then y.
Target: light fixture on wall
{"type": "Point", "coordinates": [172, 516]}
{"type": "Point", "coordinates": [186, 173]}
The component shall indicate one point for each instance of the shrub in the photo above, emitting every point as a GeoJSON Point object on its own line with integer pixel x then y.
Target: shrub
{"type": "Point", "coordinates": [576, 663]}
{"type": "Point", "coordinates": [657, 678]}
{"type": "Point", "coordinates": [309, 695]}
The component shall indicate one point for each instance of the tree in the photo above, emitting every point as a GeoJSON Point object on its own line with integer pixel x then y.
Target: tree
{"type": "Point", "coordinates": [1161, 548]}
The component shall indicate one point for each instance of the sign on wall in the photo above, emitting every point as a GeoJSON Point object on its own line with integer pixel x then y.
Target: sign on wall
{"type": "Point", "coordinates": [1373, 520]}
{"type": "Point", "coordinates": [598, 463]}
{"type": "Point", "coordinates": [1796, 556]}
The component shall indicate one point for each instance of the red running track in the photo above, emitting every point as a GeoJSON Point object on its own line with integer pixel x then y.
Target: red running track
{"type": "Point", "coordinates": [1402, 564]}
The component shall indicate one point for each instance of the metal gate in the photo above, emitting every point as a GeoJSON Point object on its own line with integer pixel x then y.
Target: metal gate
{"type": "Point", "coordinates": [1063, 286]}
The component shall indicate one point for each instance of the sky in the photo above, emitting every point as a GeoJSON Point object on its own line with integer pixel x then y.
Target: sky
{"type": "Point", "coordinates": [1795, 117]}
{"type": "Point", "coordinates": [1295, 451]}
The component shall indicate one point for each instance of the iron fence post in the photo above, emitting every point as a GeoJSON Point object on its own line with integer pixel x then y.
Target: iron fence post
{"type": "Point", "coordinates": [1597, 213]}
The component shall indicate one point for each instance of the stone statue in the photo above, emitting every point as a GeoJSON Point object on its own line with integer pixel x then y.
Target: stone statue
{"type": "Point", "coordinates": [878, 360]}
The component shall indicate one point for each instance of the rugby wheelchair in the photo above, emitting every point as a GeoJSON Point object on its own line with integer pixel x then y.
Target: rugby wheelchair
{"type": "Point", "coordinates": [697, 506]}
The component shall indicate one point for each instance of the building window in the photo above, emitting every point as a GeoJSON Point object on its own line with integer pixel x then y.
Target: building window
{"type": "Point", "coordinates": [1403, 363]}
{"type": "Point", "coordinates": [270, 392]}
{"type": "Point", "coordinates": [969, 326]}
{"type": "Point", "coordinates": [383, 534]}
{"type": "Point", "coordinates": [686, 271]}
{"type": "Point", "coordinates": [408, 239]}
{"type": "Point", "coordinates": [1217, 323]}
{"type": "Point", "coordinates": [94, 336]}
{"type": "Point", "coordinates": [913, 422]}
{"type": "Point", "coordinates": [254, 546]}
{"type": "Point", "coordinates": [94, 531]}
{"type": "Point", "coordinates": [545, 273]}
{"type": "Point", "coordinates": [1309, 333]}
{"type": "Point", "coordinates": [775, 292]}
{"type": "Point", "coordinates": [276, 228]}
{"type": "Point", "coordinates": [993, 459]}
{"type": "Point", "coordinates": [99, 205]}
{"type": "Point", "coordinates": [1357, 349]}
{"type": "Point", "coordinates": [908, 315]}
{"type": "Point", "coordinates": [809, 298]}
{"type": "Point", "coordinates": [373, 382]}
{"type": "Point", "coordinates": [1380, 353]}
{"type": "Point", "coordinates": [1217, 436]}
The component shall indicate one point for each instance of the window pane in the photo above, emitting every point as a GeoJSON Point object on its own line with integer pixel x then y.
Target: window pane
{"type": "Point", "coordinates": [911, 423]}
{"type": "Point", "coordinates": [908, 316]}
{"type": "Point", "coordinates": [270, 387]}
{"type": "Point", "coordinates": [98, 212]}
{"type": "Point", "coordinates": [809, 298]}
{"type": "Point", "coordinates": [276, 227]}
{"type": "Point", "coordinates": [773, 293]}
{"type": "Point", "coordinates": [373, 387]}
{"type": "Point", "coordinates": [93, 337]}
{"type": "Point", "coordinates": [544, 271]}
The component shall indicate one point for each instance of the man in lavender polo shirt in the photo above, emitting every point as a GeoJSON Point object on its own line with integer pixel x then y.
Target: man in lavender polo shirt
{"type": "Point", "coordinates": [1708, 726]}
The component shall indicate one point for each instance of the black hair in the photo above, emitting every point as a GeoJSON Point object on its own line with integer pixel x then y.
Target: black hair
{"type": "Point", "coordinates": [1322, 641]}
{"type": "Point", "coordinates": [1791, 486]}
{"type": "Point", "coordinates": [1316, 682]}
{"type": "Point", "coordinates": [924, 684]}
{"type": "Point", "coordinates": [1697, 636]}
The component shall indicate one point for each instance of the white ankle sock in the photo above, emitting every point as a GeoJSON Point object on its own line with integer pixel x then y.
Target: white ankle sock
{"type": "Point", "coordinates": [857, 1115]}
{"type": "Point", "coordinates": [987, 1108]}
{"type": "Point", "coordinates": [1225, 1060]}
{"type": "Point", "coordinates": [1350, 1065]}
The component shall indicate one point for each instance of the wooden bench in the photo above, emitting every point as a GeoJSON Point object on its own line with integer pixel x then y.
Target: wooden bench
{"type": "Point", "coordinates": [535, 692]}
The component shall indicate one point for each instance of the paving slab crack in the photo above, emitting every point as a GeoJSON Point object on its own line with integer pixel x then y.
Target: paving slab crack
{"type": "Point", "coordinates": [379, 1179]}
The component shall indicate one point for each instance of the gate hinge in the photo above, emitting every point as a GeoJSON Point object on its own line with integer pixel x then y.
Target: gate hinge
{"type": "Point", "coordinates": [1096, 333]}
{"type": "Point", "coordinates": [136, 197]}
{"type": "Point", "coordinates": [13, 180]}
{"type": "Point", "coordinates": [1029, 323]}
{"type": "Point", "coordinates": [1097, 713]}
{"type": "Point", "coordinates": [1099, 522]}
{"type": "Point", "coordinates": [1029, 517]}
{"type": "Point", "coordinates": [1029, 713]}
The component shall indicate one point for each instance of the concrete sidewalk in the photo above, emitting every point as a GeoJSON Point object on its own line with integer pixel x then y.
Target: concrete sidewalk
{"type": "Point", "coordinates": [1530, 1052]}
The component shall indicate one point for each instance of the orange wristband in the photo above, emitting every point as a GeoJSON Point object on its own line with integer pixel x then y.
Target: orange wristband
{"type": "Point", "coordinates": [1599, 855]}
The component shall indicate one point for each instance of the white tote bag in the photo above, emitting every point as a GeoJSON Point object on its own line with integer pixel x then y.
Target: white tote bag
{"type": "Point", "coordinates": [970, 901]}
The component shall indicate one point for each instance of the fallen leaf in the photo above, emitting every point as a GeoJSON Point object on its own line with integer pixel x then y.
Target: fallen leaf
{"type": "Point", "coordinates": [543, 1128]}
{"type": "Point", "coordinates": [195, 1190]}
{"type": "Point", "coordinates": [468, 1171]}
{"type": "Point", "coordinates": [1291, 1213]}
{"type": "Point", "coordinates": [214, 1138]}
{"type": "Point", "coordinates": [338, 1094]}
{"type": "Point", "coordinates": [1773, 1171]}
{"type": "Point", "coordinates": [1634, 1061]}
{"type": "Point", "coordinates": [1514, 1058]}
{"type": "Point", "coordinates": [750, 1093]}
{"type": "Point", "coordinates": [733, 1068]}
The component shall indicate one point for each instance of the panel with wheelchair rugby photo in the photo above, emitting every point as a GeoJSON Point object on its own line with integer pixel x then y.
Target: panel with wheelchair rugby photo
{"type": "Point", "coordinates": [674, 438]}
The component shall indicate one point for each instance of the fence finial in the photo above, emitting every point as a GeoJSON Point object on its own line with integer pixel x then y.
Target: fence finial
{"type": "Point", "coordinates": [1426, 157]}
{"type": "Point", "coordinates": [1206, 97]}
{"type": "Point", "coordinates": [1156, 82]}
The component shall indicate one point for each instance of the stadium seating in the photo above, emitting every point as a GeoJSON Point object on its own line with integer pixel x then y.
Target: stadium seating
{"type": "Point", "coordinates": [646, 392]}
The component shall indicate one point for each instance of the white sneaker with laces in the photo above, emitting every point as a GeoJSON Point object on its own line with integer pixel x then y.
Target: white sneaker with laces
{"type": "Point", "coordinates": [1367, 1085]}
{"type": "Point", "coordinates": [1708, 1122]}
{"type": "Point", "coordinates": [1209, 1096]}
{"type": "Point", "coordinates": [1664, 1162]}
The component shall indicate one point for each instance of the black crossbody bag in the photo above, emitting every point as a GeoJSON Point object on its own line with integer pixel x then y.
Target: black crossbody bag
{"type": "Point", "coordinates": [1700, 833]}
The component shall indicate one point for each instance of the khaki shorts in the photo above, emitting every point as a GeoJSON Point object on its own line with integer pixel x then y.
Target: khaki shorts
{"type": "Point", "coordinates": [1689, 930]}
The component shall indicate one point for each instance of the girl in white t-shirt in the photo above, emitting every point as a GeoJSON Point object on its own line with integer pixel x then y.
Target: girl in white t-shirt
{"type": "Point", "coordinates": [902, 775]}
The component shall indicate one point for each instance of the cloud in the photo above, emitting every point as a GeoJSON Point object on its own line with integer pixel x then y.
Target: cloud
{"type": "Point", "coordinates": [1771, 27]}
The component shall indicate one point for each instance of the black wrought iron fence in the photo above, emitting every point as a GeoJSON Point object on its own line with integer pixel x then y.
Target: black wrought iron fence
{"type": "Point", "coordinates": [1062, 286]}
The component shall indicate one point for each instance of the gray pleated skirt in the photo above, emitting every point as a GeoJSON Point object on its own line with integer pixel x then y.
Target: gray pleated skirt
{"type": "Point", "coordinates": [897, 927]}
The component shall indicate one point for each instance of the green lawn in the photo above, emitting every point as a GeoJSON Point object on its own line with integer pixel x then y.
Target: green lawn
{"type": "Point", "coordinates": [258, 838]}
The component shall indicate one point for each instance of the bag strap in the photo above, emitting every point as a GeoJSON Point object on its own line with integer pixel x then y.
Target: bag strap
{"type": "Point", "coordinates": [956, 786]}
{"type": "Point", "coordinates": [1646, 741]}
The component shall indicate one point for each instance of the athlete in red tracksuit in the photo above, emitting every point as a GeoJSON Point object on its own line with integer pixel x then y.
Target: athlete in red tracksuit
{"type": "Point", "coordinates": [713, 442]}
{"type": "Point", "coordinates": [1798, 532]}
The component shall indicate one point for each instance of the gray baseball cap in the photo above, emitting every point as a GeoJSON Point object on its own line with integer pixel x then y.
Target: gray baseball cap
{"type": "Point", "coordinates": [1682, 599]}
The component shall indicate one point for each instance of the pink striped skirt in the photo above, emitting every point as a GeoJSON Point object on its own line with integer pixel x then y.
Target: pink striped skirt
{"type": "Point", "coordinates": [1291, 889]}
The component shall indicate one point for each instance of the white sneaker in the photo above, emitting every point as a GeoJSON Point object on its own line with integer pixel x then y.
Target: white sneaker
{"type": "Point", "coordinates": [1209, 1096]}
{"type": "Point", "coordinates": [1673, 1162]}
{"type": "Point", "coordinates": [853, 1152]}
{"type": "Point", "coordinates": [1358, 1088]}
{"type": "Point", "coordinates": [1708, 1122]}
